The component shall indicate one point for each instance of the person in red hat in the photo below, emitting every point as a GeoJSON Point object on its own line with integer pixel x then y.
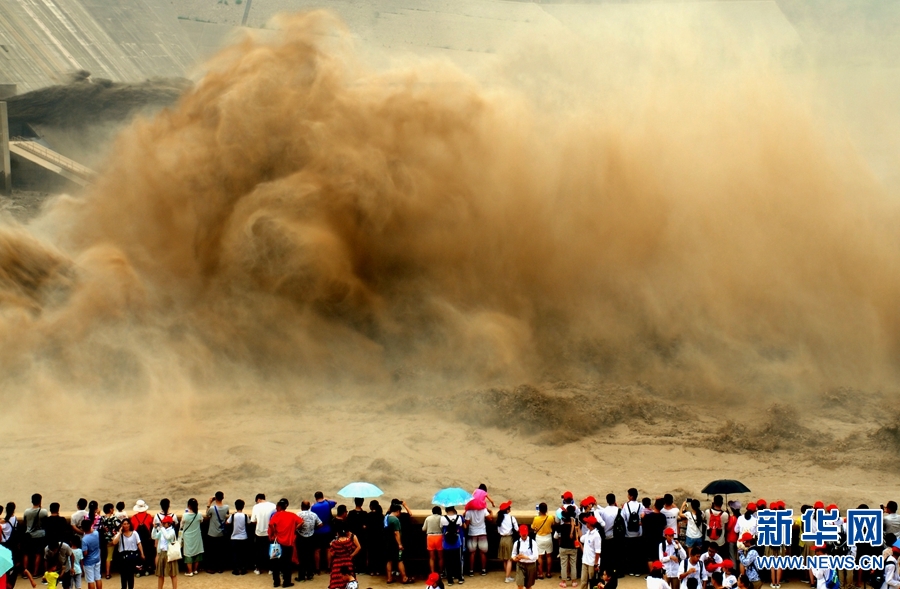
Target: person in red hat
{"type": "Point", "coordinates": [819, 577]}
{"type": "Point", "coordinates": [747, 522]}
{"type": "Point", "coordinates": [671, 553]}
{"type": "Point", "coordinates": [434, 582]}
{"type": "Point", "coordinates": [525, 554]}
{"type": "Point", "coordinates": [592, 546]}
{"type": "Point", "coordinates": [507, 527]}
{"type": "Point", "coordinates": [164, 536]}
{"type": "Point", "coordinates": [656, 580]}
{"type": "Point", "coordinates": [748, 555]}
{"type": "Point", "coordinates": [652, 526]}
{"type": "Point", "coordinates": [776, 573]}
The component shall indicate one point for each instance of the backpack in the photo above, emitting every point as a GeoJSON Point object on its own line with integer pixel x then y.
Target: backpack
{"type": "Point", "coordinates": [876, 580]}
{"type": "Point", "coordinates": [840, 548]}
{"type": "Point", "coordinates": [634, 520]}
{"type": "Point", "coordinates": [619, 526]}
{"type": "Point", "coordinates": [530, 543]}
{"type": "Point", "coordinates": [714, 529]}
{"type": "Point", "coordinates": [832, 581]}
{"type": "Point", "coordinates": [451, 534]}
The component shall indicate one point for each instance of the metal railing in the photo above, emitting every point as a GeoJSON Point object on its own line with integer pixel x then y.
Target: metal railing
{"type": "Point", "coordinates": [54, 157]}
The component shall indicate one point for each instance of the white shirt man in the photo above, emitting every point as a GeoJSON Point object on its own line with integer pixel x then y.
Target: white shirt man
{"type": "Point", "coordinates": [746, 526]}
{"type": "Point", "coordinates": [608, 514]}
{"type": "Point", "coordinates": [891, 577]}
{"type": "Point", "coordinates": [671, 555]}
{"type": "Point", "coordinates": [527, 548]}
{"type": "Point", "coordinates": [591, 544]}
{"type": "Point", "coordinates": [260, 515]}
{"type": "Point", "coordinates": [692, 569]}
{"type": "Point", "coordinates": [631, 506]}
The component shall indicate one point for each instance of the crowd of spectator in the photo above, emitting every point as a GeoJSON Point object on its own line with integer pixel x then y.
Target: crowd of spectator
{"type": "Point", "coordinates": [585, 544]}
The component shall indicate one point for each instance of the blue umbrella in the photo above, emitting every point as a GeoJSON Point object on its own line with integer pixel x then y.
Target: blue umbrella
{"type": "Point", "coordinates": [364, 490]}
{"type": "Point", "coordinates": [6, 561]}
{"type": "Point", "coordinates": [451, 496]}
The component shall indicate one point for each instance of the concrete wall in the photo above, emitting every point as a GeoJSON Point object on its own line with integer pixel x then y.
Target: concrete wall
{"type": "Point", "coordinates": [43, 41]}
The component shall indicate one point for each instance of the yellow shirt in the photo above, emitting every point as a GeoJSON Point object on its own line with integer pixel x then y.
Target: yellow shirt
{"type": "Point", "coordinates": [543, 524]}
{"type": "Point", "coordinates": [51, 579]}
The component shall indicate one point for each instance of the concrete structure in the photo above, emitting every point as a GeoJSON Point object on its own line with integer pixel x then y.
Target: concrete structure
{"type": "Point", "coordinates": [5, 175]}
{"type": "Point", "coordinates": [48, 159]}
{"type": "Point", "coordinates": [44, 42]}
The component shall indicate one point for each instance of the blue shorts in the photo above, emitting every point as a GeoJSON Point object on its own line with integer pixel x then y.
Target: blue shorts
{"type": "Point", "coordinates": [691, 542]}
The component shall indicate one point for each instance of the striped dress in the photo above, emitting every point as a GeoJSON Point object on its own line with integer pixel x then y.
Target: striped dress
{"type": "Point", "coordinates": [341, 549]}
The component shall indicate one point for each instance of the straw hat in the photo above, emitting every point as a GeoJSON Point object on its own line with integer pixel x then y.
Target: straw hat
{"type": "Point", "coordinates": [140, 506]}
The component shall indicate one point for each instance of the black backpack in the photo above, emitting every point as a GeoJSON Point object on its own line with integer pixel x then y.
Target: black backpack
{"type": "Point", "coordinates": [451, 534]}
{"type": "Point", "coordinates": [619, 526]}
{"type": "Point", "coordinates": [840, 548]}
{"type": "Point", "coordinates": [876, 580]}
{"type": "Point", "coordinates": [634, 520]}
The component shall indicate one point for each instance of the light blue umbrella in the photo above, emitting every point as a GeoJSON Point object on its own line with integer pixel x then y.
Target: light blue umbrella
{"type": "Point", "coordinates": [452, 496]}
{"type": "Point", "coordinates": [364, 490]}
{"type": "Point", "coordinates": [6, 561]}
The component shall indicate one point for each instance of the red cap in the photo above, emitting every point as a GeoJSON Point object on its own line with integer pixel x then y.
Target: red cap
{"type": "Point", "coordinates": [896, 549]}
{"type": "Point", "coordinates": [822, 548]}
{"type": "Point", "coordinates": [590, 520]}
{"type": "Point", "coordinates": [656, 565]}
{"type": "Point", "coordinates": [669, 532]}
{"type": "Point", "coordinates": [781, 504]}
{"type": "Point", "coordinates": [760, 502]}
{"type": "Point", "coordinates": [746, 536]}
{"type": "Point", "coordinates": [818, 505]}
{"type": "Point", "coordinates": [567, 495]}
{"type": "Point", "coordinates": [433, 579]}
{"type": "Point", "coordinates": [751, 507]}
{"type": "Point", "coordinates": [588, 500]}
{"type": "Point", "coordinates": [831, 507]}
{"type": "Point", "coordinates": [727, 563]}
{"type": "Point", "coordinates": [505, 505]}
{"type": "Point", "coordinates": [523, 530]}
{"type": "Point", "coordinates": [773, 505]}
{"type": "Point", "coordinates": [168, 520]}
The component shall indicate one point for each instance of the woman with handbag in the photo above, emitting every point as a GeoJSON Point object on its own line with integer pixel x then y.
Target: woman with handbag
{"type": "Point", "coordinates": [191, 538]}
{"type": "Point", "coordinates": [131, 553]}
{"type": "Point", "coordinates": [166, 543]}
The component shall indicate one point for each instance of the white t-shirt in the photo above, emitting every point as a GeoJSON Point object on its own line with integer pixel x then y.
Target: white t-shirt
{"type": "Point", "coordinates": [693, 529]}
{"type": "Point", "coordinates": [666, 552]}
{"type": "Point", "coordinates": [627, 509]}
{"type": "Point", "coordinates": [260, 516]}
{"type": "Point", "coordinates": [609, 514]}
{"type": "Point", "coordinates": [671, 514]}
{"type": "Point", "coordinates": [78, 517]}
{"type": "Point", "coordinates": [821, 577]}
{"type": "Point", "coordinates": [591, 544]}
{"type": "Point", "coordinates": [127, 543]}
{"type": "Point", "coordinates": [8, 527]}
{"type": "Point", "coordinates": [157, 519]}
{"type": "Point", "coordinates": [475, 518]}
{"type": "Point", "coordinates": [508, 526]}
{"type": "Point", "coordinates": [654, 583]}
{"type": "Point", "coordinates": [746, 525]}
{"type": "Point", "coordinates": [239, 522]}
{"type": "Point", "coordinates": [699, 572]}
{"type": "Point", "coordinates": [729, 581]}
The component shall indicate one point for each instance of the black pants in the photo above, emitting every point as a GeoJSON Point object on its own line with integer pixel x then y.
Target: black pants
{"type": "Point", "coordinates": [306, 555]}
{"type": "Point", "coordinates": [634, 556]}
{"type": "Point", "coordinates": [126, 574]}
{"type": "Point", "coordinates": [240, 555]}
{"type": "Point", "coordinates": [261, 552]}
{"type": "Point", "coordinates": [611, 557]}
{"type": "Point", "coordinates": [217, 549]}
{"type": "Point", "coordinates": [281, 568]}
{"type": "Point", "coordinates": [453, 563]}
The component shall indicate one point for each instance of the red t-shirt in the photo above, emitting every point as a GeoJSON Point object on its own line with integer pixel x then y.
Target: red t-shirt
{"type": "Point", "coordinates": [283, 527]}
{"type": "Point", "coordinates": [142, 519]}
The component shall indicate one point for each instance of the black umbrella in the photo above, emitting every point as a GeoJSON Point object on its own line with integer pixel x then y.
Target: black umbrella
{"type": "Point", "coordinates": [725, 487]}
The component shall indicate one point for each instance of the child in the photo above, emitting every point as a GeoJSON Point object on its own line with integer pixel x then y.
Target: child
{"type": "Point", "coordinates": [480, 498]}
{"type": "Point", "coordinates": [79, 557]}
{"type": "Point", "coordinates": [51, 576]}
{"type": "Point", "coordinates": [349, 579]}
{"type": "Point", "coordinates": [434, 582]}
{"type": "Point", "coordinates": [607, 581]}
{"type": "Point", "coordinates": [239, 521]}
